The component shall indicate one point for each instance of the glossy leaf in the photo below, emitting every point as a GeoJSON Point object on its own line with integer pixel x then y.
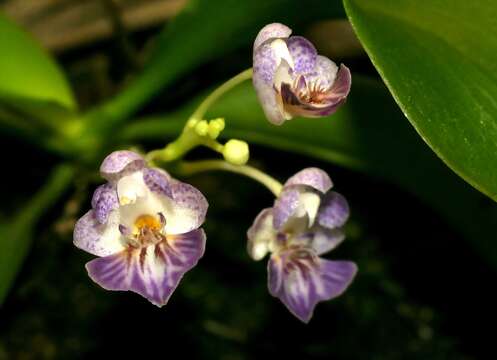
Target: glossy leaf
{"type": "Point", "coordinates": [439, 60]}
{"type": "Point", "coordinates": [17, 234]}
{"type": "Point", "coordinates": [27, 71]}
{"type": "Point", "coordinates": [378, 142]}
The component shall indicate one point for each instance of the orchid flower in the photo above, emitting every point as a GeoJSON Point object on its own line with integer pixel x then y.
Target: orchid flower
{"type": "Point", "coordinates": [144, 226]}
{"type": "Point", "coordinates": [291, 79]}
{"type": "Point", "coordinates": [305, 222]}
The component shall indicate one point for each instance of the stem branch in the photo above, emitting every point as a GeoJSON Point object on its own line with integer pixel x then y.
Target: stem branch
{"type": "Point", "coordinates": [228, 85]}
{"type": "Point", "coordinates": [192, 167]}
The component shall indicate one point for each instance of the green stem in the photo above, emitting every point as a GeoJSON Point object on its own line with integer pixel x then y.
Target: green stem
{"type": "Point", "coordinates": [193, 167]}
{"type": "Point", "coordinates": [228, 85]}
{"type": "Point", "coordinates": [190, 137]}
{"type": "Point", "coordinates": [183, 144]}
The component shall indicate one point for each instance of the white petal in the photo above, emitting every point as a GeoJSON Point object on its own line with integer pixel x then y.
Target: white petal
{"type": "Point", "coordinates": [178, 219]}
{"type": "Point", "coordinates": [144, 205]}
{"type": "Point", "coordinates": [261, 235]}
{"type": "Point", "coordinates": [309, 203]}
{"type": "Point", "coordinates": [131, 187]}
{"type": "Point", "coordinates": [281, 50]}
{"type": "Point", "coordinates": [99, 239]}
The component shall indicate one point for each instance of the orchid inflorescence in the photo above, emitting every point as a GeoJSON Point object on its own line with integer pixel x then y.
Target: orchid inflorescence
{"type": "Point", "coordinates": [145, 226]}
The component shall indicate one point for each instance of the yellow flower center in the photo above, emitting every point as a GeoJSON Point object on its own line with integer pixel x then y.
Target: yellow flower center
{"type": "Point", "coordinates": [147, 221]}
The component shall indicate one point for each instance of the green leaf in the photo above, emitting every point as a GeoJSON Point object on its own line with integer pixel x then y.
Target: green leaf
{"type": "Point", "coordinates": [27, 71]}
{"type": "Point", "coordinates": [205, 30]}
{"type": "Point", "coordinates": [17, 234]}
{"type": "Point", "coordinates": [376, 142]}
{"type": "Point", "coordinates": [439, 60]}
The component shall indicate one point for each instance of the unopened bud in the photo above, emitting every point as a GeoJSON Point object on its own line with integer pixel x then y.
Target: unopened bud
{"type": "Point", "coordinates": [236, 152]}
{"type": "Point", "coordinates": [202, 127]}
{"type": "Point", "coordinates": [215, 127]}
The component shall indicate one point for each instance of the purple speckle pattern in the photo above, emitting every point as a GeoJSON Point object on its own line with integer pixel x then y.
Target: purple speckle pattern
{"type": "Point", "coordinates": [87, 232]}
{"type": "Point", "coordinates": [104, 200]}
{"type": "Point", "coordinates": [323, 74]}
{"type": "Point", "coordinates": [313, 177]}
{"type": "Point", "coordinates": [296, 273]}
{"type": "Point", "coordinates": [120, 163]}
{"type": "Point", "coordinates": [187, 196]}
{"type": "Point", "coordinates": [303, 53]}
{"type": "Point", "coordinates": [268, 101]}
{"type": "Point", "coordinates": [158, 181]}
{"type": "Point", "coordinates": [318, 87]}
{"type": "Point", "coordinates": [152, 262]}
{"type": "Point", "coordinates": [334, 210]}
{"type": "Point", "coordinates": [301, 280]}
{"type": "Point", "coordinates": [272, 31]}
{"type": "Point", "coordinates": [153, 271]}
{"type": "Point", "coordinates": [87, 235]}
{"type": "Point", "coordinates": [265, 64]}
{"type": "Point", "coordinates": [284, 207]}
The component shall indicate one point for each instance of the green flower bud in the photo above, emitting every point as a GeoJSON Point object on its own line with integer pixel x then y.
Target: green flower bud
{"type": "Point", "coordinates": [236, 152]}
{"type": "Point", "coordinates": [201, 128]}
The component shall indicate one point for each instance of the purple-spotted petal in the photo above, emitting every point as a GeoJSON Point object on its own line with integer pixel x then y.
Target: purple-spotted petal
{"type": "Point", "coordinates": [334, 210]}
{"type": "Point", "coordinates": [303, 54]}
{"type": "Point", "coordinates": [265, 62]}
{"type": "Point", "coordinates": [271, 31]}
{"type": "Point", "coordinates": [300, 280]}
{"type": "Point", "coordinates": [313, 177]}
{"type": "Point", "coordinates": [268, 60]}
{"type": "Point", "coordinates": [104, 200]}
{"type": "Point", "coordinates": [285, 207]}
{"type": "Point", "coordinates": [96, 238]}
{"type": "Point", "coordinates": [120, 163]}
{"type": "Point", "coordinates": [153, 271]}
{"type": "Point", "coordinates": [324, 73]}
{"type": "Point", "coordinates": [261, 235]}
{"type": "Point", "coordinates": [267, 98]}
{"type": "Point", "coordinates": [158, 181]}
{"type": "Point", "coordinates": [188, 208]}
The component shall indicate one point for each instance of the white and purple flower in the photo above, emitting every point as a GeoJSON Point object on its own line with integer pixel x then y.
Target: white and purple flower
{"type": "Point", "coordinates": [305, 222]}
{"type": "Point", "coordinates": [291, 79]}
{"type": "Point", "coordinates": [144, 226]}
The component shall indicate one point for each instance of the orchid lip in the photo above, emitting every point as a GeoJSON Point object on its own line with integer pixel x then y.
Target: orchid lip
{"type": "Point", "coordinates": [144, 226]}
{"type": "Point", "coordinates": [305, 222]}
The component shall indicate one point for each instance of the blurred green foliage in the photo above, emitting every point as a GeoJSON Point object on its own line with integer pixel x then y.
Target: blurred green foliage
{"type": "Point", "coordinates": [27, 71]}
{"type": "Point", "coordinates": [18, 232]}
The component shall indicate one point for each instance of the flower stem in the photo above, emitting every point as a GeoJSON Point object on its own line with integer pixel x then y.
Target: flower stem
{"type": "Point", "coordinates": [228, 85]}
{"type": "Point", "coordinates": [196, 129]}
{"type": "Point", "coordinates": [192, 167]}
